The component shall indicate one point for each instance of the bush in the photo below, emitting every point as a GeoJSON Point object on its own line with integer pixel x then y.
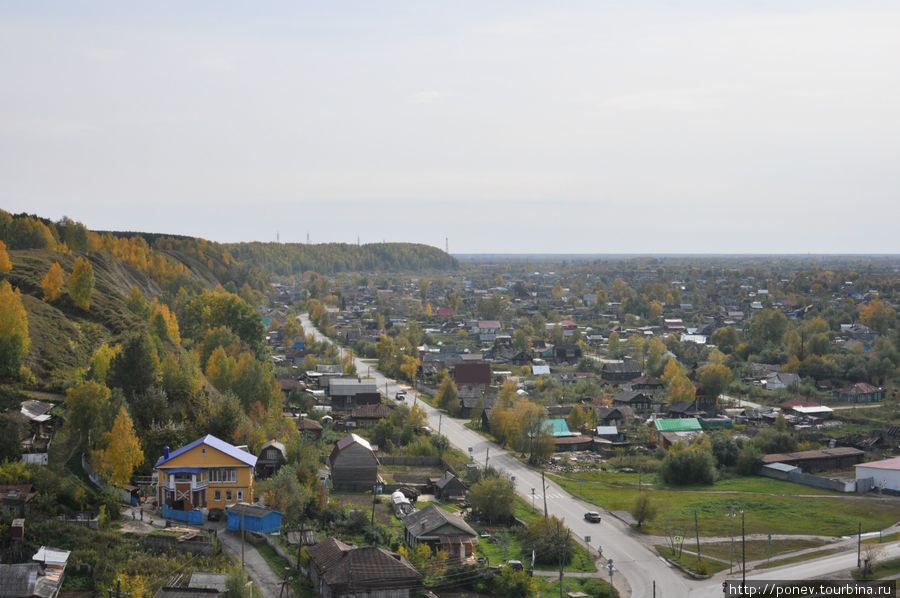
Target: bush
{"type": "Point", "coordinates": [493, 499]}
{"type": "Point", "coordinates": [688, 466]}
{"type": "Point", "coordinates": [548, 538]}
{"type": "Point", "coordinates": [749, 460]}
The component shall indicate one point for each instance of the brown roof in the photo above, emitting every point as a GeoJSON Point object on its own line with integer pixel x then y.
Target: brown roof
{"type": "Point", "coordinates": [841, 451]}
{"type": "Point", "coordinates": [304, 423]}
{"type": "Point", "coordinates": [23, 492]}
{"type": "Point", "coordinates": [647, 380]}
{"type": "Point", "coordinates": [371, 411]}
{"type": "Point", "coordinates": [472, 373]}
{"type": "Point", "coordinates": [860, 388]}
{"type": "Point", "coordinates": [424, 522]}
{"type": "Point", "coordinates": [565, 440]}
{"type": "Point", "coordinates": [346, 441]}
{"type": "Point", "coordinates": [369, 567]}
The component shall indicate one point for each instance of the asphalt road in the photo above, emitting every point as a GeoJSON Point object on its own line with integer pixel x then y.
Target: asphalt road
{"type": "Point", "coordinates": [636, 567]}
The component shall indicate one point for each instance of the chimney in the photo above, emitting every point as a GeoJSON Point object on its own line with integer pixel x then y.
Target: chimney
{"type": "Point", "coordinates": [165, 452]}
{"type": "Point", "coordinates": [17, 529]}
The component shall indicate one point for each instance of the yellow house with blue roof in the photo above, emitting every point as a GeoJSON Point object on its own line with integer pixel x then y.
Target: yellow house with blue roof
{"type": "Point", "coordinates": [207, 473]}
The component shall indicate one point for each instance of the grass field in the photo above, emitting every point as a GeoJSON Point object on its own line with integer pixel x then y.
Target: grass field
{"type": "Point", "coordinates": [809, 556]}
{"type": "Point", "coordinates": [594, 587]}
{"type": "Point", "coordinates": [688, 559]}
{"type": "Point", "coordinates": [770, 506]}
{"type": "Point", "coordinates": [756, 549]}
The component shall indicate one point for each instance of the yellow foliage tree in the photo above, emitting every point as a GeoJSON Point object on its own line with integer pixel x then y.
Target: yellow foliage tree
{"type": "Point", "coordinates": [220, 369]}
{"type": "Point", "coordinates": [53, 282]}
{"type": "Point", "coordinates": [5, 263]}
{"type": "Point", "coordinates": [681, 389]}
{"type": "Point", "coordinates": [122, 454]}
{"type": "Point", "coordinates": [14, 338]}
{"type": "Point", "coordinates": [164, 322]}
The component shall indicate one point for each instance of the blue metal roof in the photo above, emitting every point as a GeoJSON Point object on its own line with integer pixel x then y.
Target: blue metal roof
{"type": "Point", "coordinates": [213, 442]}
{"type": "Point", "coordinates": [186, 470]}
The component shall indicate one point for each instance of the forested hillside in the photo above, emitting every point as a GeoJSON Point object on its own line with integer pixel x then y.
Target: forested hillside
{"type": "Point", "coordinates": [287, 259]}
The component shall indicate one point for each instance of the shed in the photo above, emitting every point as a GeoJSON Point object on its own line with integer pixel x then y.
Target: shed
{"type": "Point", "coordinates": [255, 518]}
{"type": "Point", "coordinates": [354, 466]}
{"type": "Point", "coordinates": [885, 473]}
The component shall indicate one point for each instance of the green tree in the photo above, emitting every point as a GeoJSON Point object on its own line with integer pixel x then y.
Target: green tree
{"type": "Point", "coordinates": [725, 338]}
{"type": "Point", "coordinates": [221, 308]}
{"type": "Point", "coordinates": [767, 326]}
{"type": "Point", "coordinates": [137, 303]}
{"type": "Point", "coordinates": [81, 283]}
{"type": "Point", "coordinates": [493, 499]}
{"type": "Point", "coordinates": [86, 404]}
{"type": "Point", "coordinates": [288, 495]}
{"type": "Point", "coordinates": [136, 367]}
{"type": "Point", "coordinates": [550, 540]}
{"type": "Point", "coordinates": [714, 379]}
{"type": "Point", "coordinates": [643, 509]}
{"type": "Point", "coordinates": [14, 337]}
{"type": "Point", "coordinates": [614, 346]}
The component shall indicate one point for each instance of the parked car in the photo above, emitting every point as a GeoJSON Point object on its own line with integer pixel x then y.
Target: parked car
{"type": "Point", "coordinates": [215, 515]}
{"type": "Point", "coordinates": [401, 395]}
{"type": "Point", "coordinates": [592, 516]}
{"type": "Point", "coordinates": [515, 565]}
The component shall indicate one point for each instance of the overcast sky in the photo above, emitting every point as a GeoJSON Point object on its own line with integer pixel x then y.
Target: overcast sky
{"type": "Point", "coordinates": [511, 127]}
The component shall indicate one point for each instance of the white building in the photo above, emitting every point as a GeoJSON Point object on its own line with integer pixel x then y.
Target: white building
{"type": "Point", "coordinates": [886, 473]}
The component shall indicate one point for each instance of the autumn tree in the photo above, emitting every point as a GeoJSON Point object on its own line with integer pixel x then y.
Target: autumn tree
{"type": "Point", "coordinates": [877, 315]}
{"type": "Point", "coordinates": [643, 509]}
{"type": "Point", "coordinates": [493, 499]}
{"type": "Point", "coordinates": [122, 453]}
{"type": "Point", "coordinates": [447, 396]}
{"type": "Point", "coordinates": [614, 346]}
{"type": "Point", "coordinates": [680, 389]}
{"type": "Point", "coordinates": [100, 362]}
{"type": "Point", "coordinates": [14, 338]}
{"type": "Point", "coordinates": [52, 282]}
{"type": "Point", "coordinates": [163, 322]}
{"type": "Point", "coordinates": [81, 283]}
{"type": "Point", "coordinates": [5, 263]}
{"type": "Point", "coordinates": [408, 367]}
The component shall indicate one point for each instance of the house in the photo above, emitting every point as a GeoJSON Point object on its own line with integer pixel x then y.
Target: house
{"type": "Point", "coordinates": [610, 433]}
{"type": "Point", "coordinates": [818, 460]}
{"type": "Point", "coordinates": [575, 442]}
{"type": "Point", "coordinates": [253, 518]}
{"type": "Point", "coordinates": [469, 403]}
{"type": "Point", "coordinates": [338, 570]}
{"type": "Point", "coordinates": [472, 379]}
{"type": "Point", "coordinates": [207, 473]}
{"type": "Point", "coordinates": [647, 384]}
{"type": "Point", "coordinates": [621, 372]}
{"type": "Point", "coordinates": [367, 416]}
{"type": "Point", "coordinates": [450, 487]}
{"type": "Point", "coordinates": [41, 578]}
{"type": "Point", "coordinates": [349, 393]}
{"type": "Point", "coordinates": [666, 432]}
{"type": "Point", "coordinates": [14, 499]}
{"type": "Point", "coordinates": [441, 531]}
{"type": "Point", "coordinates": [860, 392]}
{"type": "Point", "coordinates": [637, 401]}
{"type": "Point", "coordinates": [41, 426]}
{"type": "Point", "coordinates": [782, 380]}
{"type": "Point", "coordinates": [309, 426]}
{"type": "Point", "coordinates": [559, 410]}
{"type": "Point", "coordinates": [354, 466]}
{"type": "Point", "coordinates": [682, 409]}
{"type": "Point", "coordinates": [611, 416]}
{"type": "Point", "coordinates": [271, 457]}
{"type": "Point", "coordinates": [569, 353]}
{"type": "Point", "coordinates": [486, 327]}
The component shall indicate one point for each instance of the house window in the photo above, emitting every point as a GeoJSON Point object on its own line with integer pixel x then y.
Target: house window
{"type": "Point", "coordinates": [240, 495]}
{"type": "Point", "coordinates": [203, 450]}
{"type": "Point", "coordinates": [223, 474]}
{"type": "Point", "coordinates": [217, 495]}
{"type": "Point", "coordinates": [228, 495]}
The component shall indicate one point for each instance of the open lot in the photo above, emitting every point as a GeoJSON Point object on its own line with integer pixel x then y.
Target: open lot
{"type": "Point", "coordinates": [770, 506]}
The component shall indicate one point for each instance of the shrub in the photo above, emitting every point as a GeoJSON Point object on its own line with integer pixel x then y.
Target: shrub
{"type": "Point", "coordinates": [688, 466]}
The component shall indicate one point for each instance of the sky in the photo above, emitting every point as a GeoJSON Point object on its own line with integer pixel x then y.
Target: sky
{"type": "Point", "coordinates": [483, 126]}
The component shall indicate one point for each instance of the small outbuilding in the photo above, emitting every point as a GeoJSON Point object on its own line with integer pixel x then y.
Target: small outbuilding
{"type": "Point", "coordinates": [253, 518]}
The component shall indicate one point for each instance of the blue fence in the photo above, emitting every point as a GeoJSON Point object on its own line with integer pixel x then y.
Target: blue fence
{"type": "Point", "coordinates": [194, 517]}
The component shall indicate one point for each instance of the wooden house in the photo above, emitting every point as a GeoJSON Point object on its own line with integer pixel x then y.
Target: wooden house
{"type": "Point", "coordinates": [441, 531]}
{"type": "Point", "coordinates": [207, 473]}
{"type": "Point", "coordinates": [354, 466]}
{"type": "Point", "coordinates": [338, 570]}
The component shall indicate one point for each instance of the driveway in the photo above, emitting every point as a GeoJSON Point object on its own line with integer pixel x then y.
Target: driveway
{"type": "Point", "coordinates": [266, 581]}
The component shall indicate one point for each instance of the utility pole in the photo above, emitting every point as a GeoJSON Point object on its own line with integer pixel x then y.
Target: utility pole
{"type": "Point", "coordinates": [731, 562]}
{"type": "Point", "coordinates": [743, 555]}
{"type": "Point", "coordinates": [544, 490]}
{"type": "Point", "coordinates": [440, 422]}
{"type": "Point", "coordinates": [487, 457]}
{"type": "Point", "coordinates": [118, 588]}
{"type": "Point", "coordinates": [859, 546]}
{"type": "Point", "coordinates": [697, 534]}
{"type": "Point", "coordinates": [242, 540]}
